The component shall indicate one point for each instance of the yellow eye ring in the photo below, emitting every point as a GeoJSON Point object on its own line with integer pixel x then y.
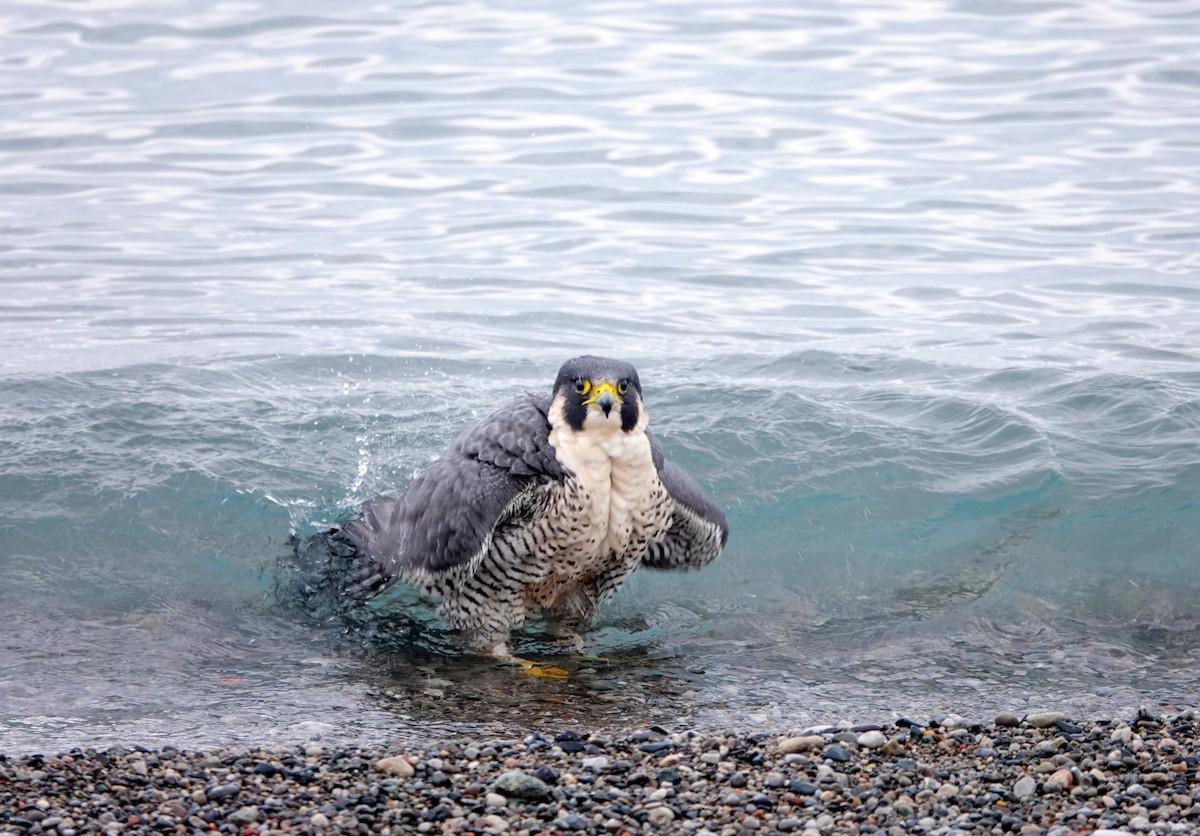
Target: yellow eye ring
{"type": "Point", "coordinates": [583, 386]}
{"type": "Point", "coordinates": [622, 387]}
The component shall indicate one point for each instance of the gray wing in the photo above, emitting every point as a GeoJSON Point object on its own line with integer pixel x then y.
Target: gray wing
{"type": "Point", "coordinates": [445, 519]}
{"type": "Point", "coordinates": [698, 529]}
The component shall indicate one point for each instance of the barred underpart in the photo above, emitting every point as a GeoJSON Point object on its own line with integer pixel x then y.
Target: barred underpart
{"type": "Point", "coordinates": [548, 565]}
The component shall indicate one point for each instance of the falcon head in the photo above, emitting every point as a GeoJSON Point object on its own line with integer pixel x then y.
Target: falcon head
{"type": "Point", "coordinates": [599, 393]}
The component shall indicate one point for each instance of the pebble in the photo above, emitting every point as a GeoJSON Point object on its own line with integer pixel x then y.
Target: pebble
{"type": "Point", "coordinates": [246, 815]}
{"type": "Point", "coordinates": [872, 739]}
{"type": "Point", "coordinates": [800, 744]}
{"type": "Point", "coordinates": [803, 788]}
{"type": "Point", "coordinates": [1067, 728]}
{"type": "Point", "coordinates": [517, 784]}
{"type": "Point", "coordinates": [397, 766]}
{"type": "Point", "coordinates": [1044, 719]}
{"type": "Point", "coordinates": [495, 823]}
{"type": "Point", "coordinates": [660, 817]}
{"type": "Point", "coordinates": [1062, 779]}
{"type": "Point", "coordinates": [222, 791]}
{"type": "Point", "coordinates": [1044, 780]}
{"type": "Point", "coordinates": [946, 791]}
{"type": "Point", "coordinates": [1024, 788]}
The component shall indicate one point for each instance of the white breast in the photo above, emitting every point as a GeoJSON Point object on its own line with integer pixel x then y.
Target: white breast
{"type": "Point", "coordinates": [617, 492]}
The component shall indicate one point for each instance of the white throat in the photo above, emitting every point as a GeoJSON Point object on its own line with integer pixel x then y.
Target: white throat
{"type": "Point", "coordinates": [600, 445]}
{"type": "Point", "coordinates": [614, 469]}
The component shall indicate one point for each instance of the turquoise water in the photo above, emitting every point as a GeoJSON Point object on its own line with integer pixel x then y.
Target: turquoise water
{"type": "Point", "coordinates": [914, 292]}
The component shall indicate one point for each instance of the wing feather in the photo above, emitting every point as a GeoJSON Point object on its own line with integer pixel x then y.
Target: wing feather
{"type": "Point", "coordinates": [698, 529]}
{"type": "Point", "coordinates": [444, 520]}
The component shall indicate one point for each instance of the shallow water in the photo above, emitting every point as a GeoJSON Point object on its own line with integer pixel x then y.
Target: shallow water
{"type": "Point", "coordinates": [913, 291]}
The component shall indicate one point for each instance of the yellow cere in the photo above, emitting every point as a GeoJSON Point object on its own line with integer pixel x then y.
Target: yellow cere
{"type": "Point", "coordinates": [598, 391]}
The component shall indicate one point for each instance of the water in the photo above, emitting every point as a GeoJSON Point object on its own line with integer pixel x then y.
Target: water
{"type": "Point", "coordinates": [913, 290]}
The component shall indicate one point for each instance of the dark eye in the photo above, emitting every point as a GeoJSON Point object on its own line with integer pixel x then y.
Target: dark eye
{"type": "Point", "coordinates": [622, 387]}
{"type": "Point", "coordinates": [582, 386]}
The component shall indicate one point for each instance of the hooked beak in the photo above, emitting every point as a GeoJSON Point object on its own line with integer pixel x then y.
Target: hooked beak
{"type": "Point", "coordinates": [604, 396]}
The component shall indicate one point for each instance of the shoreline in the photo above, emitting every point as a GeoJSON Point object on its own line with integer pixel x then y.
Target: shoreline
{"type": "Point", "coordinates": [1042, 773]}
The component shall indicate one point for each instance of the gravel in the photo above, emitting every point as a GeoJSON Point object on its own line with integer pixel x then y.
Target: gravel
{"type": "Point", "coordinates": [1036, 774]}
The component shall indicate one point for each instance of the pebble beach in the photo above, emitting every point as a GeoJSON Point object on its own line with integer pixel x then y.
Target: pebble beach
{"type": "Point", "coordinates": [1040, 773]}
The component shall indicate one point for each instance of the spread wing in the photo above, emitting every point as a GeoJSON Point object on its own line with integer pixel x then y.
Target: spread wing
{"type": "Point", "coordinates": [445, 519]}
{"type": "Point", "coordinates": [698, 529]}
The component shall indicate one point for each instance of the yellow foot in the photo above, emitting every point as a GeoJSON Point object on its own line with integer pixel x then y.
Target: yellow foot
{"type": "Point", "coordinates": [500, 653]}
{"type": "Point", "coordinates": [540, 669]}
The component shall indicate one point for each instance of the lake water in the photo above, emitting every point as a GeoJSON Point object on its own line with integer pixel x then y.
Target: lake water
{"type": "Point", "coordinates": [914, 291]}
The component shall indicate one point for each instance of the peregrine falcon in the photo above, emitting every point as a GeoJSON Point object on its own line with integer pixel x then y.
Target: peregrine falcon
{"type": "Point", "coordinates": [544, 506]}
